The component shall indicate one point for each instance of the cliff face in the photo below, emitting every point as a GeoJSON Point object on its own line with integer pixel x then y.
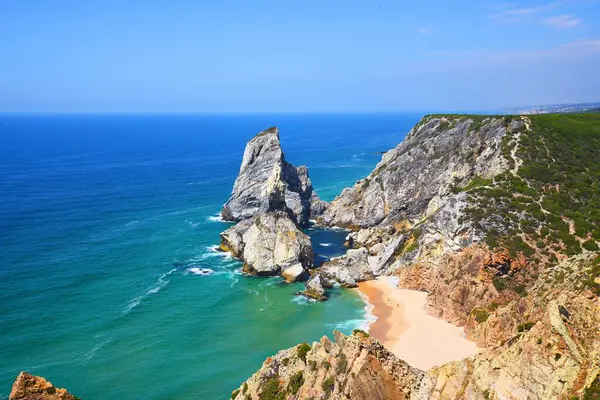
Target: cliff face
{"type": "Point", "coordinates": [352, 367]}
{"type": "Point", "coordinates": [413, 177]}
{"type": "Point", "coordinates": [273, 200]}
{"type": "Point", "coordinates": [29, 387]}
{"type": "Point", "coordinates": [262, 157]}
{"type": "Point", "coordinates": [497, 219]}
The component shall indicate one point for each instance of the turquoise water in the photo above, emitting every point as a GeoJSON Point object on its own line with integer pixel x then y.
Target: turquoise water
{"type": "Point", "coordinates": [103, 220]}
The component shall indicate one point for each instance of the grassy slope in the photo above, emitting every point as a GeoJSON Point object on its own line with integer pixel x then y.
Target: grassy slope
{"type": "Point", "coordinates": [550, 208]}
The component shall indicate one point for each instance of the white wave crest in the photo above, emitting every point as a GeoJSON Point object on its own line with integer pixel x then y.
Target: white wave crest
{"type": "Point", "coordinates": [302, 300]}
{"type": "Point", "coordinates": [325, 244]}
{"type": "Point", "coordinates": [200, 271]}
{"type": "Point", "coordinates": [211, 251]}
{"type": "Point", "coordinates": [369, 317]}
{"type": "Point", "coordinates": [90, 354]}
{"type": "Point", "coordinates": [216, 218]}
{"type": "Point", "coordinates": [160, 283]}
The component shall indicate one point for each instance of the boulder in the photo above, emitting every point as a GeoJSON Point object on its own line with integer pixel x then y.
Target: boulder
{"type": "Point", "coordinates": [314, 288]}
{"type": "Point", "coordinates": [350, 268]}
{"type": "Point", "coordinates": [294, 273]}
{"type": "Point", "coordinates": [269, 243]}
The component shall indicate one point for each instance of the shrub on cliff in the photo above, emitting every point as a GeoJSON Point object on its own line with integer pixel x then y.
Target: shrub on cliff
{"type": "Point", "coordinates": [303, 350]}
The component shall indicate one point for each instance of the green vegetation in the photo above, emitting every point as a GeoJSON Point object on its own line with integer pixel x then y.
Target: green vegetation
{"type": "Point", "coordinates": [499, 283]}
{"type": "Point", "coordinates": [245, 388]}
{"type": "Point", "coordinates": [303, 349]}
{"type": "Point", "coordinates": [342, 364]}
{"type": "Point", "coordinates": [296, 382]}
{"type": "Point", "coordinates": [476, 182]}
{"type": "Point", "coordinates": [328, 385]}
{"type": "Point", "coordinates": [360, 332]}
{"type": "Point", "coordinates": [313, 365]}
{"type": "Point", "coordinates": [593, 279]}
{"type": "Point", "coordinates": [590, 245]}
{"type": "Point", "coordinates": [593, 391]}
{"type": "Point", "coordinates": [480, 315]}
{"type": "Point", "coordinates": [550, 205]}
{"type": "Point", "coordinates": [271, 390]}
{"type": "Point", "coordinates": [525, 326]}
{"type": "Point", "coordinates": [326, 365]}
{"type": "Point", "coordinates": [235, 393]}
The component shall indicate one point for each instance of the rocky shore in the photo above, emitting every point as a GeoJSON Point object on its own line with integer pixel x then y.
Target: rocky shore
{"type": "Point", "coordinates": [458, 211]}
{"type": "Point", "coordinates": [492, 219]}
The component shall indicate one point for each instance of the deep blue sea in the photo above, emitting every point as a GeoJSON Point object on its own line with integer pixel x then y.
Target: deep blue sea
{"type": "Point", "coordinates": [104, 221]}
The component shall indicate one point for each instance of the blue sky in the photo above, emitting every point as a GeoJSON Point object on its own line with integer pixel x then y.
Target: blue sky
{"type": "Point", "coordinates": [296, 56]}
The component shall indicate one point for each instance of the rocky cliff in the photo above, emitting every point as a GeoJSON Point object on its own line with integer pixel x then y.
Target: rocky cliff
{"type": "Point", "coordinates": [262, 159]}
{"type": "Point", "coordinates": [351, 367]}
{"type": "Point", "coordinates": [497, 218]}
{"type": "Point", "coordinates": [273, 200]}
{"type": "Point", "coordinates": [29, 387]}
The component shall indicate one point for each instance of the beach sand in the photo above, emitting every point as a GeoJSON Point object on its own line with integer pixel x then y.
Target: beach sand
{"type": "Point", "coordinates": [408, 331]}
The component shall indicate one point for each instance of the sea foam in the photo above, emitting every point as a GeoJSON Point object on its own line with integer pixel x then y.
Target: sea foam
{"type": "Point", "coordinates": [200, 271]}
{"type": "Point", "coordinates": [216, 218]}
{"type": "Point", "coordinates": [369, 317]}
{"type": "Point", "coordinates": [160, 283]}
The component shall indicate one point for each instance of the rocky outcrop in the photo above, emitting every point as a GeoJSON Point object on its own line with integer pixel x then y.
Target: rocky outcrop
{"type": "Point", "coordinates": [411, 179]}
{"type": "Point", "coordinates": [354, 266]}
{"type": "Point", "coordinates": [268, 243]}
{"type": "Point", "coordinates": [351, 367]}
{"type": "Point", "coordinates": [262, 159]}
{"type": "Point", "coordinates": [555, 356]}
{"type": "Point", "coordinates": [272, 200]}
{"type": "Point", "coordinates": [315, 288]}
{"type": "Point", "coordinates": [294, 273]}
{"type": "Point", "coordinates": [30, 387]}
{"type": "Point", "coordinates": [491, 217]}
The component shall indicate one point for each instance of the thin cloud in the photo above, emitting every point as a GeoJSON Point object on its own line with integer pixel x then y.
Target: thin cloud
{"type": "Point", "coordinates": [566, 21]}
{"type": "Point", "coordinates": [474, 59]}
{"type": "Point", "coordinates": [584, 44]}
{"type": "Point", "coordinates": [516, 14]}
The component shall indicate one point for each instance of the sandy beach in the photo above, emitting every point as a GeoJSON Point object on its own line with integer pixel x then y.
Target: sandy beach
{"type": "Point", "coordinates": [408, 331]}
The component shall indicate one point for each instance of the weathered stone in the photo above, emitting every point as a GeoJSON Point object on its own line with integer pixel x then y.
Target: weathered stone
{"type": "Point", "coordinates": [314, 288]}
{"type": "Point", "coordinates": [351, 367]}
{"type": "Point", "coordinates": [273, 242]}
{"type": "Point", "coordinates": [350, 268]}
{"type": "Point", "coordinates": [294, 273]}
{"type": "Point", "coordinates": [424, 167]}
{"type": "Point", "coordinates": [257, 186]}
{"type": "Point", "coordinates": [539, 321]}
{"type": "Point", "coordinates": [30, 387]}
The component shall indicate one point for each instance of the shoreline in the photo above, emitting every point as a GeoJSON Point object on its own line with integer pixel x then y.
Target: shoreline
{"type": "Point", "coordinates": [404, 327]}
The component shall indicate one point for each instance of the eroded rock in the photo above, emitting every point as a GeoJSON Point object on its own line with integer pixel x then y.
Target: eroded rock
{"type": "Point", "coordinates": [262, 159]}
{"type": "Point", "coordinates": [30, 387]}
{"type": "Point", "coordinates": [351, 367]}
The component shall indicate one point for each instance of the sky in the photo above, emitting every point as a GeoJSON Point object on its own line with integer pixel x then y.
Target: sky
{"type": "Point", "coordinates": [296, 56]}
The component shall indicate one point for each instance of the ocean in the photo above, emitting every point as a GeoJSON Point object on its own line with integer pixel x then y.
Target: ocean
{"type": "Point", "coordinates": [106, 222]}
